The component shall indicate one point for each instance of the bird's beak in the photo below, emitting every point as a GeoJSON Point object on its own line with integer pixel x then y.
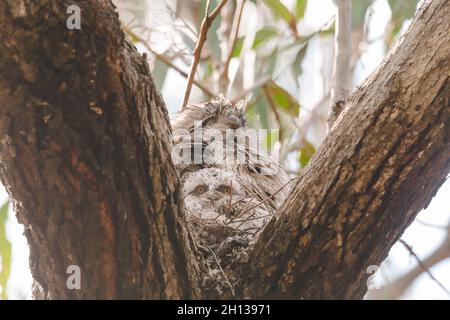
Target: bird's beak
{"type": "Point", "coordinates": [215, 195]}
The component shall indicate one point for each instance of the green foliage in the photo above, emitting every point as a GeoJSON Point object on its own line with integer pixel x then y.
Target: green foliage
{"type": "Point", "coordinates": [271, 137]}
{"type": "Point", "coordinates": [263, 35]}
{"type": "Point", "coordinates": [5, 251]}
{"type": "Point", "coordinates": [306, 153]}
{"type": "Point", "coordinates": [280, 10]}
{"type": "Point", "coordinates": [261, 115]}
{"type": "Point", "coordinates": [302, 45]}
{"type": "Point", "coordinates": [300, 7]}
{"type": "Point", "coordinates": [237, 47]}
{"type": "Point", "coordinates": [401, 10]}
{"type": "Point", "coordinates": [277, 53]}
{"type": "Point", "coordinates": [283, 99]}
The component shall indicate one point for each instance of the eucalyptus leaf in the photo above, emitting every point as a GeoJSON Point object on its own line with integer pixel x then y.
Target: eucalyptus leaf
{"type": "Point", "coordinates": [263, 35]}
{"type": "Point", "coordinates": [306, 153]}
{"type": "Point", "coordinates": [300, 7]}
{"type": "Point", "coordinates": [260, 111]}
{"type": "Point", "coordinates": [270, 138]}
{"type": "Point", "coordinates": [283, 99]}
{"type": "Point", "coordinates": [5, 251]}
{"type": "Point", "coordinates": [237, 49]}
{"type": "Point", "coordinates": [280, 10]}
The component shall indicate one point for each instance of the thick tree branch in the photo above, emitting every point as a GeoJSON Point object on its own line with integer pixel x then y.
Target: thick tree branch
{"type": "Point", "coordinates": [385, 158]}
{"type": "Point", "coordinates": [85, 145]}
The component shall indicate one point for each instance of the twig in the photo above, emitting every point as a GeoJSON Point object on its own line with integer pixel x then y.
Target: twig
{"type": "Point", "coordinates": [397, 288]}
{"type": "Point", "coordinates": [243, 210]}
{"type": "Point", "coordinates": [251, 195]}
{"type": "Point", "coordinates": [176, 15]}
{"type": "Point", "coordinates": [341, 84]}
{"type": "Point", "coordinates": [220, 268]}
{"type": "Point", "coordinates": [206, 24]}
{"type": "Point", "coordinates": [262, 80]}
{"type": "Point", "coordinates": [430, 225]}
{"type": "Point", "coordinates": [269, 197]}
{"type": "Point", "coordinates": [225, 29]}
{"type": "Point", "coordinates": [252, 218]}
{"type": "Point", "coordinates": [224, 78]}
{"type": "Point", "coordinates": [423, 266]}
{"type": "Point", "coordinates": [167, 61]}
{"type": "Point", "coordinates": [274, 110]}
{"type": "Point", "coordinates": [258, 83]}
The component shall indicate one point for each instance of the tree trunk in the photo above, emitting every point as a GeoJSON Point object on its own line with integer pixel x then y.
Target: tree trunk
{"type": "Point", "coordinates": [85, 156]}
{"type": "Point", "coordinates": [384, 160]}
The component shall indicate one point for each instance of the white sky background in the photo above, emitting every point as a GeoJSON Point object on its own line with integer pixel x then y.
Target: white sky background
{"type": "Point", "coordinates": [423, 239]}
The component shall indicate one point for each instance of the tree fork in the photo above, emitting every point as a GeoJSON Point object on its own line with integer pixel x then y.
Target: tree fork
{"type": "Point", "coordinates": [85, 156]}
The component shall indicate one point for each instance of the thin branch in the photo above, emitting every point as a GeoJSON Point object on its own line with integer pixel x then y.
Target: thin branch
{"type": "Point", "coordinates": [258, 83]}
{"type": "Point", "coordinates": [262, 80]}
{"type": "Point", "coordinates": [423, 266]}
{"type": "Point", "coordinates": [274, 110]}
{"type": "Point", "coordinates": [269, 197]}
{"type": "Point", "coordinates": [220, 267]}
{"type": "Point", "coordinates": [341, 84]}
{"type": "Point", "coordinates": [225, 29]}
{"type": "Point", "coordinates": [206, 24]}
{"type": "Point", "coordinates": [224, 78]}
{"type": "Point", "coordinates": [397, 288]}
{"type": "Point", "coordinates": [167, 61]}
{"type": "Point", "coordinates": [430, 225]}
{"type": "Point", "coordinates": [174, 14]}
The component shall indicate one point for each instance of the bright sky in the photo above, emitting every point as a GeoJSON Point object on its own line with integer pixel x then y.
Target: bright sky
{"type": "Point", "coordinates": [423, 239]}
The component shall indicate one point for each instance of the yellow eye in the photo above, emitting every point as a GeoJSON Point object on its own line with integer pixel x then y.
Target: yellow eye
{"type": "Point", "coordinates": [225, 189]}
{"type": "Point", "coordinates": [200, 189]}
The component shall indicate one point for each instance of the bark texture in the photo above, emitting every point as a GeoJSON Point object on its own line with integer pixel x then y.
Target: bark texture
{"type": "Point", "coordinates": [85, 154]}
{"type": "Point", "coordinates": [384, 160]}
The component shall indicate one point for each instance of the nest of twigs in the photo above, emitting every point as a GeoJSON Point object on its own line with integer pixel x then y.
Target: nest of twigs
{"type": "Point", "coordinates": [222, 250]}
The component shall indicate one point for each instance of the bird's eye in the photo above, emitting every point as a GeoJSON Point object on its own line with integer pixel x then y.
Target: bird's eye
{"type": "Point", "coordinates": [200, 189]}
{"type": "Point", "coordinates": [225, 189]}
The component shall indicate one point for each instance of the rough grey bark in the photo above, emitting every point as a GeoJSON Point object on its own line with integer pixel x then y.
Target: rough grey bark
{"type": "Point", "coordinates": [383, 161]}
{"type": "Point", "coordinates": [84, 147]}
{"type": "Point", "coordinates": [85, 155]}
